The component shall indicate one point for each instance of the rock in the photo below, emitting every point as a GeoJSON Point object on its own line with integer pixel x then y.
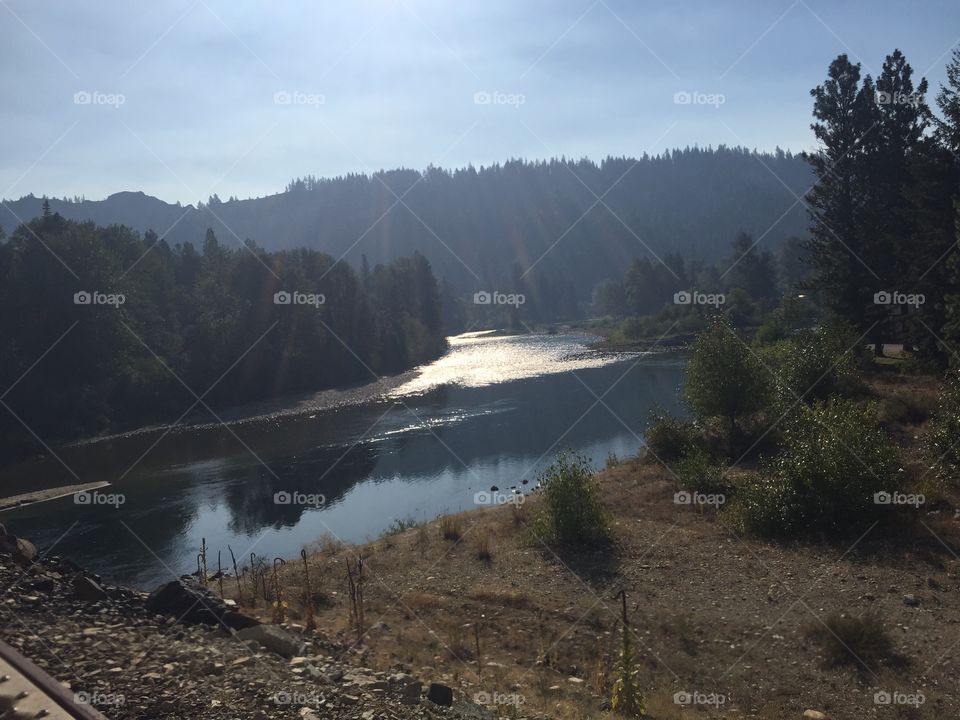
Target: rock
{"type": "Point", "coordinates": [87, 590]}
{"type": "Point", "coordinates": [410, 694]}
{"type": "Point", "coordinates": [274, 639]}
{"type": "Point", "coordinates": [23, 551]}
{"type": "Point", "coordinates": [43, 585]}
{"type": "Point", "coordinates": [440, 694]}
{"type": "Point", "coordinates": [911, 600]}
{"type": "Point", "coordinates": [190, 603]}
{"type": "Point", "coordinates": [815, 715]}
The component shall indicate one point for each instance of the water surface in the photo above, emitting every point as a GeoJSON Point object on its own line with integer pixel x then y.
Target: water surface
{"type": "Point", "coordinates": [492, 411]}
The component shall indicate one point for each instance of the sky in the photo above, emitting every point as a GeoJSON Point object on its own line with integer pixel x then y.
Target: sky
{"type": "Point", "coordinates": [189, 98]}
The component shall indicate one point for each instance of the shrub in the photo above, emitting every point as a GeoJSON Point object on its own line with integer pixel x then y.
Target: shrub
{"type": "Point", "coordinates": [670, 438]}
{"type": "Point", "coordinates": [572, 512]}
{"type": "Point", "coordinates": [944, 443]}
{"type": "Point", "coordinates": [847, 640]}
{"type": "Point", "coordinates": [814, 365]}
{"type": "Point", "coordinates": [725, 379]}
{"type": "Point", "coordinates": [834, 459]}
{"type": "Point", "coordinates": [399, 525]}
{"type": "Point", "coordinates": [698, 473]}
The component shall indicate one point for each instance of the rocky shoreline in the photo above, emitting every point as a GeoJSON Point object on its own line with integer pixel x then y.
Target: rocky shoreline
{"type": "Point", "coordinates": [182, 652]}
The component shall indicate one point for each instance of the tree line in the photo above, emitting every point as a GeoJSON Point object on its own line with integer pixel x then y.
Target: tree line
{"type": "Point", "coordinates": [533, 227]}
{"type": "Point", "coordinates": [106, 329]}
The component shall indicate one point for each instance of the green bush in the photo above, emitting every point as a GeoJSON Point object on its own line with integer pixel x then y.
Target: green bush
{"type": "Point", "coordinates": [669, 438]}
{"type": "Point", "coordinates": [834, 459]}
{"type": "Point", "coordinates": [697, 472]}
{"type": "Point", "coordinates": [725, 379]}
{"type": "Point", "coordinates": [814, 365]}
{"type": "Point", "coordinates": [944, 443]}
{"type": "Point", "coordinates": [572, 512]}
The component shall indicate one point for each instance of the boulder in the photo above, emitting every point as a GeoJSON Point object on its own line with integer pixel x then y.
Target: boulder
{"type": "Point", "coordinates": [87, 589]}
{"type": "Point", "coordinates": [192, 604]}
{"type": "Point", "coordinates": [274, 639]}
{"type": "Point", "coordinates": [23, 551]}
{"type": "Point", "coordinates": [440, 694]}
{"type": "Point", "coordinates": [815, 715]}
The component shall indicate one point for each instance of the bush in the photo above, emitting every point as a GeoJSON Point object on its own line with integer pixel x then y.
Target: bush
{"type": "Point", "coordinates": [725, 379]}
{"type": "Point", "coordinates": [944, 440]}
{"type": "Point", "coordinates": [398, 526]}
{"type": "Point", "coordinates": [834, 459]}
{"type": "Point", "coordinates": [670, 438]}
{"type": "Point", "coordinates": [848, 640]}
{"type": "Point", "coordinates": [698, 473]}
{"type": "Point", "coordinates": [572, 512]}
{"type": "Point", "coordinates": [814, 365]}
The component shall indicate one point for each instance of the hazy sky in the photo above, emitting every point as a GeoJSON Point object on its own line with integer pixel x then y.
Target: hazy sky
{"type": "Point", "coordinates": [186, 98]}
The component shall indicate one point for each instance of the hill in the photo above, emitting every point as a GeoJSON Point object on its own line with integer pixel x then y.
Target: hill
{"type": "Point", "coordinates": [570, 224]}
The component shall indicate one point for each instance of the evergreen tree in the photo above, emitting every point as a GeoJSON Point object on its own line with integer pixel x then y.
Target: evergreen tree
{"type": "Point", "coordinates": [841, 252]}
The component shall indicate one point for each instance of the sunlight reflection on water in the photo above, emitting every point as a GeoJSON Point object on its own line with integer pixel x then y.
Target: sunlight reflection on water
{"type": "Point", "coordinates": [478, 359]}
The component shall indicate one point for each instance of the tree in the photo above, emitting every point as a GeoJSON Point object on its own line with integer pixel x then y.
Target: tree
{"type": "Point", "coordinates": [839, 248]}
{"type": "Point", "coordinates": [752, 269]}
{"type": "Point", "coordinates": [725, 379]}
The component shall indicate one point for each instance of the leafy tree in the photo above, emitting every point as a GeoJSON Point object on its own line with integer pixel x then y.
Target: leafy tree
{"type": "Point", "coordinates": [725, 379]}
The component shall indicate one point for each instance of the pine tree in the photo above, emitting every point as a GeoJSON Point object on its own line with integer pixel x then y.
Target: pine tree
{"type": "Point", "coordinates": [840, 250]}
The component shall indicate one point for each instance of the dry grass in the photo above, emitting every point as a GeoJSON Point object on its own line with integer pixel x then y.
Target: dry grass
{"type": "Point", "coordinates": [451, 528]}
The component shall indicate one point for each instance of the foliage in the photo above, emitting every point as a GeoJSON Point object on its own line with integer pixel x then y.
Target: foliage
{"type": "Point", "coordinates": [669, 438]}
{"type": "Point", "coordinates": [205, 320]}
{"type": "Point", "coordinates": [725, 378]}
{"type": "Point", "coordinates": [834, 459]}
{"type": "Point", "coordinates": [627, 698]}
{"type": "Point", "coordinates": [400, 525]}
{"type": "Point", "coordinates": [814, 365]}
{"type": "Point", "coordinates": [572, 512]}
{"type": "Point", "coordinates": [699, 473]}
{"type": "Point", "coordinates": [944, 442]}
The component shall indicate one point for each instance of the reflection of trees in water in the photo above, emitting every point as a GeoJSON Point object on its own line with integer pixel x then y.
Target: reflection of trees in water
{"type": "Point", "coordinates": [328, 471]}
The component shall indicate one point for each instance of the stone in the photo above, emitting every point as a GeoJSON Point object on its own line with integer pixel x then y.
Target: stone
{"type": "Point", "coordinates": [410, 694]}
{"type": "Point", "coordinates": [190, 603]}
{"type": "Point", "coordinates": [274, 639]}
{"type": "Point", "coordinates": [440, 694]}
{"type": "Point", "coordinates": [43, 585]}
{"type": "Point", "coordinates": [911, 600]}
{"type": "Point", "coordinates": [23, 551]}
{"type": "Point", "coordinates": [87, 589]}
{"type": "Point", "coordinates": [814, 715]}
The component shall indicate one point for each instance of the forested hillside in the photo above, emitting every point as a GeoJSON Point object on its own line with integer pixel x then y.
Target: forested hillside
{"type": "Point", "coordinates": [565, 225]}
{"type": "Point", "coordinates": [144, 331]}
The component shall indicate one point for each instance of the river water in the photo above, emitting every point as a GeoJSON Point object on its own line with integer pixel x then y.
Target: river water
{"type": "Point", "coordinates": [493, 411]}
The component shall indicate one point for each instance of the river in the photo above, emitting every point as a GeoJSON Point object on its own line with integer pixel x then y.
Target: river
{"type": "Point", "coordinates": [493, 411]}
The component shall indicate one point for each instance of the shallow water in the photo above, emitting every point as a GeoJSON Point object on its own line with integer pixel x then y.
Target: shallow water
{"type": "Point", "coordinates": [492, 411]}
